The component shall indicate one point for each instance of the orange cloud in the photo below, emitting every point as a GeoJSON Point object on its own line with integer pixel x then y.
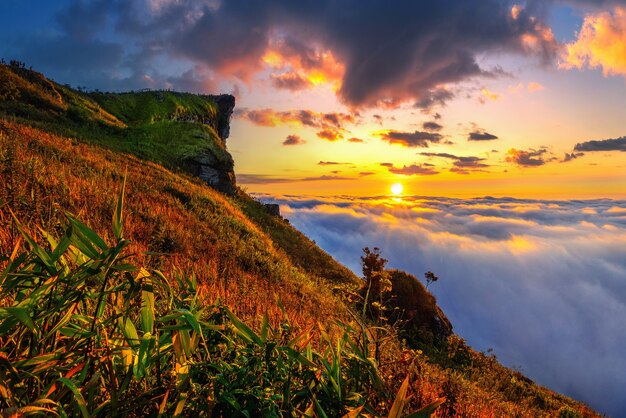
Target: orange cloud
{"type": "Point", "coordinates": [330, 134]}
{"type": "Point", "coordinates": [300, 66]}
{"type": "Point", "coordinates": [487, 94]}
{"type": "Point", "coordinates": [601, 43]}
{"type": "Point", "coordinates": [270, 118]}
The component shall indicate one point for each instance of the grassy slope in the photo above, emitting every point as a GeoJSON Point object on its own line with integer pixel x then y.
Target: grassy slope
{"type": "Point", "coordinates": [240, 254]}
{"type": "Point", "coordinates": [150, 125]}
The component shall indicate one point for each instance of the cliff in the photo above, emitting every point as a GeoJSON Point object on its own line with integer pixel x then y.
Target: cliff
{"type": "Point", "coordinates": [178, 130]}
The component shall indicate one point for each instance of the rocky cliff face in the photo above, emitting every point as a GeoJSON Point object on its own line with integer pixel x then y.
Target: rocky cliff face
{"type": "Point", "coordinates": [214, 164]}
{"type": "Point", "coordinates": [226, 105]}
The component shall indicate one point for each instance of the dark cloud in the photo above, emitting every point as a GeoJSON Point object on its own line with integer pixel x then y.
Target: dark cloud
{"type": "Point", "coordinates": [462, 165]}
{"type": "Point", "coordinates": [432, 126]}
{"type": "Point", "coordinates": [290, 81]}
{"type": "Point", "coordinates": [386, 164]}
{"type": "Point", "coordinates": [617, 144]}
{"type": "Point", "coordinates": [481, 136]}
{"type": "Point", "coordinates": [411, 139]}
{"type": "Point", "coordinates": [293, 140]}
{"type": "Point", "coordinates": [332, 163]}
{"type": "Point", "coordinates": [554, 267]}
{"type": "Point", "coordinates": [265, 179]}
{"type": "Point", "coordinates": [530, 158]}
{"type": "Point", "coordinates": [571, 156]}
{"type": "Point", "coordinates": [414, 170]}
{"type": "Point", "coordinates": [415, 47]}
{"type": "Point", "coordinates": [433, 98]}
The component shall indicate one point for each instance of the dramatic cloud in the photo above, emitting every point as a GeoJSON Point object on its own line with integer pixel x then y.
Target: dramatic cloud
{"type": "Point", "coordinates": [617, 144]}
{"type": "Point", "coordinates": [432, 126]}
{"type": "Point", "coordinates": [481, 136]}
{"type": "Point", "coordinates": [540, 282]}
{"type": "Point", "coordinates": [416, 52]}
{"type": "Point", "coordinates": [530, 158]}
{"type": "Point", "coordinates": [414, 170]}
{"type": "Point", "coordinates": [293, 140]}
{"type": "Point", "coordinates": [601, 43]}
{"type": "Point", "coordinates": [410, 139]}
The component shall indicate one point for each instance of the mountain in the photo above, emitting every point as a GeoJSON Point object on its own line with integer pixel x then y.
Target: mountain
{"type": "Point", "coordinates": [138, 278]}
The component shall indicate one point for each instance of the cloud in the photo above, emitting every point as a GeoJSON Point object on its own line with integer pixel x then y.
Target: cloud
{"type": "Point", "coordinates": [290, 81]}
{"type": "Point", "coordinates": [533, 87]}
{"type": "Point", "coordinates": [417, 52]}
{"type": "Point", "coordinates": [386, 164]}
{"type": "Point", "coordinates": [293, 140]}
{"type": "Point", "coordinates": [486, 94]}
{"type": "Point", "coordinates": [330, 134]}
{"type": "Point", "coordinates": [481, 136]}
{"type": "Point", "coordinates": [617, 144]}
{"type": "Point", "coordinates": [410, 139]}
{"type": "Point", "coordinates": [553, 268]}
{"type": "Point", "coordinates": [601, 43]}
{"type": "Point", "coordinates": [530, 158]}
{"type": "Point", "coordinates": [332, 163]}
{"type": "Point", "coordinates": [462, 165]}
{"type": "Point", "coordinates": [356, 140]}
{"type": "Point", "coordinates": [414, 170]}
{"type": "Point", "coordinates": [265, 179]}
{"type": "Point", "coordinates": [432, 126]}
{"type": "Point", "coordinates": [571, 156]}
{"type": "Point", "coordinates": [332, 124]}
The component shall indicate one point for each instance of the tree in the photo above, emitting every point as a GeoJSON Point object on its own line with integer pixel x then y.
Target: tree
{"type": "Point", "coordinates": [376, 277]}
{"type": "Point", "coordinates": [430, 277]}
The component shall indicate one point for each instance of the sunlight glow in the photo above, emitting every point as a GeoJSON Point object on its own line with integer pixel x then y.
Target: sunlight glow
{"type": "Point", "coordinates": [396, 189]}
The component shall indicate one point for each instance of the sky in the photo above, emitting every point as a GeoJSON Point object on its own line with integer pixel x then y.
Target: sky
{"type": "Point", "coordinates": [453, 97]}
{"type": "Point", "coordinates": [503, 121]}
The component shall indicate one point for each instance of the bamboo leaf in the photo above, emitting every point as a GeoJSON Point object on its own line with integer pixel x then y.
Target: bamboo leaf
{"type": "Point", "coordinates": [428, 410]}
{"type": "Point", "coordinates": [80, 401]}
{"type": "Point", "coordinates": [400, 401]}
{"type": "Point", "coordinates": [22, 315]}
{"type": "Point", "coordinates": [147, 302]}
{"type": "Point", "coordinates": [243, 330]}
{"type": "Point", "coordinates": [354, 413]}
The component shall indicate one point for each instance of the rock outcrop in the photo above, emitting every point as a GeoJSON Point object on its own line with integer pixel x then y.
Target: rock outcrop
{"type": "Point", "coordinates": [226, 106]}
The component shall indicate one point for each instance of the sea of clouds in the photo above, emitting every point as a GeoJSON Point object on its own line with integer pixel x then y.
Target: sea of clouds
{"type": "Point", "coordinates": [541, 282]}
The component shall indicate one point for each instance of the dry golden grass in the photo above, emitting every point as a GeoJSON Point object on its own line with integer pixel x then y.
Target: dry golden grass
{"type": "Point", "coordinates": [192, 227]}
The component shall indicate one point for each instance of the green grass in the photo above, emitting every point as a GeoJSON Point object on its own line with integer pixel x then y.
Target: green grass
{"type": "Point", "coordinates": [168, 128]}
{"type": "Point", "coordinates": [152, 106]}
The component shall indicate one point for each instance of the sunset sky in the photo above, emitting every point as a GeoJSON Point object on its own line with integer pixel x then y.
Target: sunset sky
{"type": "Point", "coordinates": [338, 100]}
{"type": "Point", "coordinates": [456, 98]}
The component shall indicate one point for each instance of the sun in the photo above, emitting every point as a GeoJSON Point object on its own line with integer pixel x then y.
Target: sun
{"type": "Point", "coordinates": [396, 189]}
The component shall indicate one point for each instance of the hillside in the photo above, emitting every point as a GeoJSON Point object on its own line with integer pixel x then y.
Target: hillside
{"type": "Point", "coordinates": [65, 153]}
